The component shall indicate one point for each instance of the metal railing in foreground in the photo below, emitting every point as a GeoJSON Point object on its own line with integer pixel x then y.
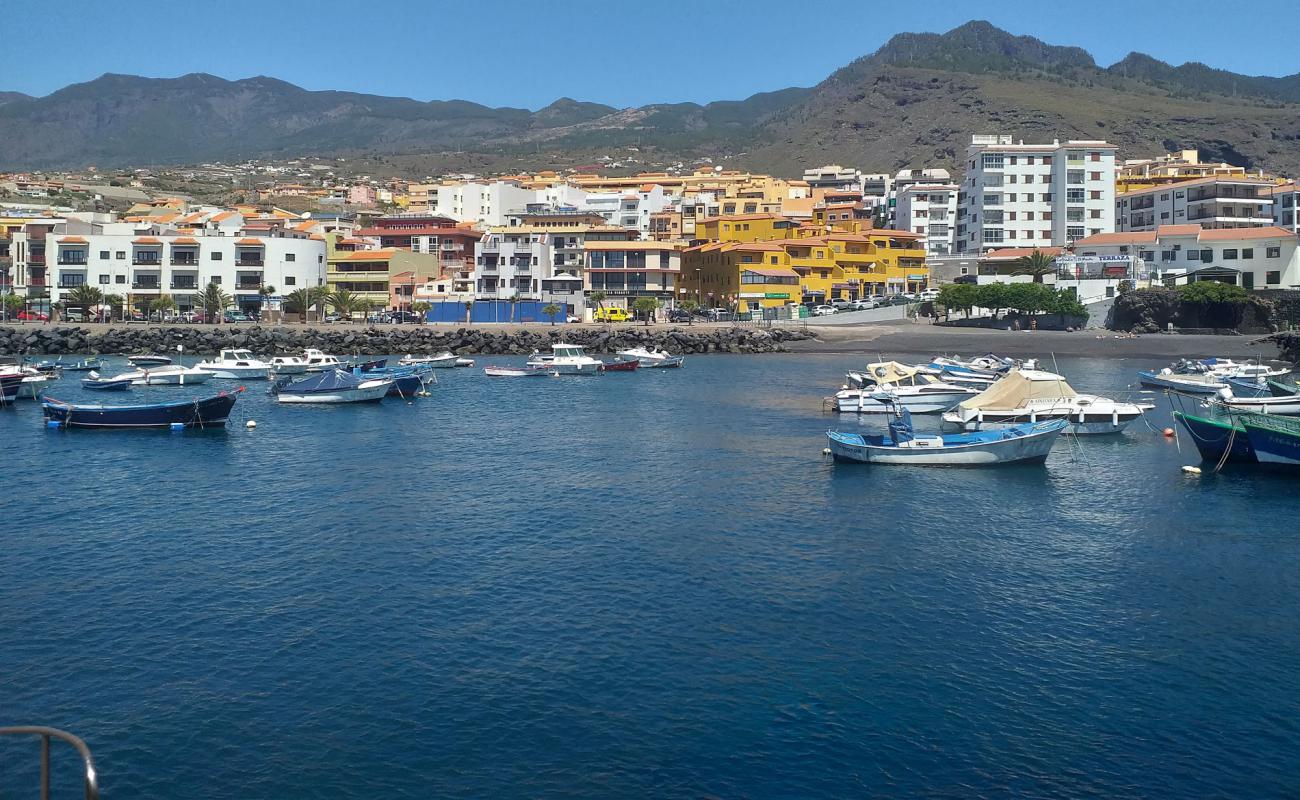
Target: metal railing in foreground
{"type": "Point", "coordinates": [45, 734]}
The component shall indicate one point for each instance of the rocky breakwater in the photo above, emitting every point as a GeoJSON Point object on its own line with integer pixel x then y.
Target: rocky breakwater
{"type": "Point", "coordinates": [416, 339]}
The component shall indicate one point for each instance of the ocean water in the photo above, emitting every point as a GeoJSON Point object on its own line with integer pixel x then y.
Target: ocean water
{"type": "Point", "coordinates": [639, 585]}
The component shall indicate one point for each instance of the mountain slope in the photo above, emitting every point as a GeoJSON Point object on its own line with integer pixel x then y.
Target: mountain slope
{"type": "Point", "coordinates": [914, 101]}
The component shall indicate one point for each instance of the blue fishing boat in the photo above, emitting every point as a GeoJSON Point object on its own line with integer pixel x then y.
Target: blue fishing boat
{"type": "Point", "coordinates": [1275, 439]}
{"type": "Point", "coordinates": [1028, 442]}
{"type": "Point", "coordinates": [1282, 388]}
{"type": "Point", "coordinates": [206, 412]}
{"type": "Point", "coordinates": [1248, 387]}
{"type": "Point", "coordinates": [106, 384]}
{"type": "Point", "coordinates": [1186, 383]}
{"type": "Point", "coordinates": [84, 365]}
{"type": "Point", "coordinates": [372, 366]}
{"type": "Point", "coordinates": [1215, 437]}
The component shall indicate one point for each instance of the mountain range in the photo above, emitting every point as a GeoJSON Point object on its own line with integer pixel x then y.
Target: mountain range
{"type": "Point", "coordinates": [914, 102]}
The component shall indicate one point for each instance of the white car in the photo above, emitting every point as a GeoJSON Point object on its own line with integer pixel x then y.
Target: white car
{"type": "Point", "coordinates": [823, 311]}
{"type": "Point", "coordinates": [864, 304]}
{"type": "Point", "coordinates": [928, 294]}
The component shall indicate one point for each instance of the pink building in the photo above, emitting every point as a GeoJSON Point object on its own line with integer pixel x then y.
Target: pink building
{"type": "Point", "coordinates": [361, 195]}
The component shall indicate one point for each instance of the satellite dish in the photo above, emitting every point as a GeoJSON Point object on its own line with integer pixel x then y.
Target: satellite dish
{"type": "Point", "coordinates": [306, 215]}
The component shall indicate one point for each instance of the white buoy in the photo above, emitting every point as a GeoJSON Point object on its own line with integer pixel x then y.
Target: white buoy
{"type": "Point", "coordinates": [1190, 470]}
{"type": "Point", "coordinates": [826, 451]}
{"type": "Point", "coordinates": [250, 424]}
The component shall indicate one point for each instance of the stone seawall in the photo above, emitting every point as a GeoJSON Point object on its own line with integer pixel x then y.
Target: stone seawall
{"type": "Point", "coordinates": [206, 340]}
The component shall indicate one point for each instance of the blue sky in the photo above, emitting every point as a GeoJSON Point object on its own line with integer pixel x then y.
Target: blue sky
{"type": "Point", "coordinates": [622, 53]}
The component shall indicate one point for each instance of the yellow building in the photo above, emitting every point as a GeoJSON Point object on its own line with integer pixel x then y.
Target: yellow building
{"type": "Point", "coordinates": [1184, 165]}
{"type": "Point", "coordinates": [745, 228]}
{"type": "Point", "coordinates": [374, 273]}
{"type": "Point", "coordinates": [746, 276]}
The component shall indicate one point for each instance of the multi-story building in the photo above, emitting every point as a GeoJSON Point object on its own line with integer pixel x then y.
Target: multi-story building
{"type": "Point", "coordinates": [1286, 206]}
{"type": "Point", "coordinates": [1217, 202]}
{"type": "Point", "coordinates": [833, 176]}
{"type": "Point", "coordinates": [1171, 168]}
{"type": "Point", "coordinates": [1254, 258]}
{"type": "Point", "coordinates": [486, 204]}
{"type": "Point", "coordinates": [143, 261]}
{"type": "Point", "coordinates": [930, 210]}
{"type": "Point", "coordinates": [510, 263]}
{"type": "Point", "coordinates": [668, 226]}
{"type": "Point", "coordinates": [451, 242]}
{"type": "Point", "coordinates": [627, 270]}
{"type": "Point", "coordinates": [1034, 195]}
{"type": "Point", "coordinates": [380, 275]}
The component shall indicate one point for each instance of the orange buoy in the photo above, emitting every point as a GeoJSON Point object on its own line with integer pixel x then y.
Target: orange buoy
{"type": "Point", "coordinates": [1169, 431]}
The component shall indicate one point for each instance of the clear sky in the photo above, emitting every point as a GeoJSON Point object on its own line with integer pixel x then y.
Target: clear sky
{"type": "Point", "coordinates": [527, 53]}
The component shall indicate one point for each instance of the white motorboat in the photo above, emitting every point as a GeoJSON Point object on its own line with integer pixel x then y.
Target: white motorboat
{"type": "Point", "coordinates": [567, 359]}
{"type": "Point", "coordinates": [1284, 406]}
{"type": "Point", "coordinates": [1248, 370]}
{"type": "Point", "coordinates": [148, 360]}
{"type": "Point", "coordinates": [235, 365]}
{"type": "Point", "coordinates": [464, 362]}
{"type": "Point", "coordinates": [1030, 395]}
{"type": "Point", "coordinates": [648, 357]}
{"type": "Point", "coordinates": [333, 386]}
{"type": "Point", "coordinates": [321, 362]}
{"type": "Point", "coordinates": [33, 383]}
{"type": "Point", "coordinates": [165, 375]}
{"type": "Point", "coordinates": [440, 361]}
{"type": "Point", "coordinates": [288, 365]}
{"type": "Point", "coordinates": [888, 385]}
{"type": "Point", "coordinates": [515, 372]}
{"type": "Point", "coordinates": [1188, 383]}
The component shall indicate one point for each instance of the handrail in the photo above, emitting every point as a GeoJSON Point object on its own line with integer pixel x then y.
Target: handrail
{"type": "Point", "coordinates": [91, 779]}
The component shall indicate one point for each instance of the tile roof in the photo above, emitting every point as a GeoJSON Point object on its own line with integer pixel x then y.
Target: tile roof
{"type": "Point", "coordinates": [1182, 229]}
{"type": "Point", "coordinates": [72, 240]}
{"type": "Point", "coordinates": [367, 255]}
{"type": "Point", "coordinates": [1021, 252]}
{"type": "Point", "coordinates": [147, 240]}
{"type": "Point", "coordinates": [1164, 187]}
{"type": "Point", "coordinates": [185, 240]}
{"type": "Point", "coordinates": [247, 242]}
{"type": "Point", "coordinates": [1244, 234]}
{"type": "Point", "coordinates": [1126, 237]}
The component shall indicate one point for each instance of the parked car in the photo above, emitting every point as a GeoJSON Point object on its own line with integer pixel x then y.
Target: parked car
{"type": "Point", "coordinates": [34, 316]}
{"type": "Point", "coordinates": [333, 318]}
{"type": "Point", "coordinates": [679, 315]}
{"type": "Point", "coordinates": [236, 316]}
{"type": "Point", "coordinates": [899, 300]}
{"type": "Point", "coordinates": [823, 311]}
{"type": "Point", "coordinates": [842, 305]}
{"type": "Point", "coordinates": [73, 315]}
{"type": "Point", "coordinates": [865, 304]}
{"type": "Point", "coordinates": [928, 295]}
{"type": "Point", "coordinates": [400, 317]}
{"type": "Point", "coordinates": [611, 314]}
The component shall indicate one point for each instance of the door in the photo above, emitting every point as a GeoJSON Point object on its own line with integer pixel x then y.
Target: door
{"type": "Point", "coordinates": [1248, 280]}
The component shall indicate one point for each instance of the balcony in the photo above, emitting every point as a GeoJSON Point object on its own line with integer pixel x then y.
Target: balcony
{"type": "Point", "coordinates": [65, 261]}
{"type": "Point", "coordinates": [36, 259]}
{"type": "Point", "coordinates": [250, 262]}
{"type": "Point", "coordinates": [146, 285]}
{"type": "Point", "coordinates": [141, 260]}
{"type": "Point", "coordinates": [183, 284]}
{"type": "Point", "coordinates": [185, 261]}
{"type": "Point", "coordinates": [1224, 194]}
{"type": "Point", "coordinates": [71, 284]}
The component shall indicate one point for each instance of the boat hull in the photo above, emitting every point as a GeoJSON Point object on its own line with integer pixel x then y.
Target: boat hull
{"type": "Point", "coordinates": [406, 386]}
{"type": "Point", "coordinates": [620, 366]}
{"type": "Point", "coordinates": [1180, 383]}
{"type": "Point", "coordinates": [673, 362]}
{"type": "Point", "coordinates": [865, 402]}
{"type": "Point", "coordinates": [1032, 446]}
{"type": "Point", "coordinates": [515, 372]}
{"type": "Point", "coordinates": [9, 386]}
{"type": "Point", "coordinates": [1275, 440]}
{"type": "Point", "coordinates": [149, 361]}
{"type": "Point", "coordinates": [106, 386]}
{"type": "Point", "coordinates": [1284, 406]}
{"type": "Point", "coordinates": [170, 379]}
{"type": "Point", "coordinates": [576, 369]}
{"type": "Point", "coordinates": [1081, 423]}
{"type": "Point", "coordinates": [361, 394]}
{"type": "Point", "coordinates": [1215, 437]}
{"type": "Point", "coordinates": [210, 412]}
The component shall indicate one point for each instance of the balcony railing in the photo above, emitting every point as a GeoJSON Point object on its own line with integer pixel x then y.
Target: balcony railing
{"type": "Point", "coordinates": [249, 262]}
{"type": "Point", "coordinates": [181, 261]}
{"type": "Point", "coordinates": [71, 284]}
{"type": "Point", "coordinates": [246, 285]}
{"type": "Point", "coordinates": [36, 258]}
{"type": "Point", "coordinates": [146, 262]}
{"type": "Point", "coordinates": [145, 285]}
{"type": "Point", "coordinates": [185, 284]}
{"type": "Point", "coordinates": [72, 262]}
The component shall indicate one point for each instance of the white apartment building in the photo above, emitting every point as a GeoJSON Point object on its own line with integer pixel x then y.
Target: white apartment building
{"type": "Point", "coordinates": [929, 209]}
{"type": "Point", "coordinates": [481, 203]}
{"type": "Point", "coordinates": [1286, 206]}
{"type": "Point", "coordinates": [629, 210]}
{"type": "Point", "coordinates": [1034, 195]}
{"type": "Point", "coordinates": [510, 263]}
{"type": "Point", "coordinates": [1215, 202]}
{"type": "Point", "coordinates": [1253, 258]}
{"type": "Point", "coordinates": [142, 261]}
{"type": "Point", "coordinates": [835, 177]}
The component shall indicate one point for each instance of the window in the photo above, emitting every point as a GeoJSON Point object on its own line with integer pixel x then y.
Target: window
{"type": "Point", "coordinates": [120, 255]}
{"type": "Point", "coordinates": [216, 279]}
{"type": "Point", "coordinates": [103, 254]}
{"type": "Point", "coordinates": [992, 161]}
{"type": "Point", "coordinates": [1164, 196]}
{"type": "Point", "coordinates": [1074, 232]}
{"type": "Point", "coordinates": [1047, 197]}
{"type": "Point", "coordinates": [1047, 179]}
{"type": "Point", "coordinates": [1095, 194]}
{"type": "Point", "coordinates": [1094, 176]}
{"type": "Point", "coordinates": [1095, 156]}
{"type": "Point", "coordinates": [1167, 255]}
{"type": "Point", "coordinates": [1013, 160]}
{"type": "Point", "coordinates": [290, 257]}
{"type": "Point", "coordinates": [1047, 235]}
{"type": "Point", "coordinates": [1248, 252]}
{"type": "Point", "coordinates": [1180, 195]}
{"type": "Point", "coordinates": [1074, 176]}
{"type": "Point", "coordinates": [1029, 216]}
{"type": "Point", "coordinates": [216, 255]}
{"type": "Point", "coordinates": [1273, 276]}
{"type": "Point", "coordinates": [965, 270]}
{"type": "Point", "coordinates": [1230, 255]}
{"type": "Point", "coordinates": [1011, 178]}
{"type": "Point", "coordinates": [1095, 213]}
{"type": "Point", "coordinates": [1272, 252]}
{"type": "Point", "coordinates": [992, 235]}
{"type": "Point", "coordinates": [1047, 216]}
{"type": "Point", "coordinates": [290, 280]}
{"type": "Point", "coordinates": [1147, 255]}
{"type": "Point", "coordinates": [1248, 280]}
{"type": "Point", "coordinates": [1193, 255]}
{"type": "Point", "coordinates": [119, 279]}
{"type": "Point", "coordinates": [1164, 215]}
{"type": "Point", "coordinates": [103, 279]}
{"type": "Point", "coordinates": [1207, 255]}
{"type": "Point", "coordinates": [1047, 160]}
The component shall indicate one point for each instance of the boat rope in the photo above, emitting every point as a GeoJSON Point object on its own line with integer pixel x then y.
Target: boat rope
{"type": "Point", "coordinates": [1227, 451]}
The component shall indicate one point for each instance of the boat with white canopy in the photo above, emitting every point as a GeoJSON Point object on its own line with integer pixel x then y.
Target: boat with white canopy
{"type": "Point", "coordinates": [1031, 395]}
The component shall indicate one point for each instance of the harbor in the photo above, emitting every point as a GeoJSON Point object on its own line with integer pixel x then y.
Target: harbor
{"type": "Point", "coordinates": [234, 580]}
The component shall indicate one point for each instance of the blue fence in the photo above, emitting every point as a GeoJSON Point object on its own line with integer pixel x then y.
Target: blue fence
{"type": "Point", "coordinates": [493, 311]}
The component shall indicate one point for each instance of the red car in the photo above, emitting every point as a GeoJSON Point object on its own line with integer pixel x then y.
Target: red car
{"type": "Point", "coordinates": [33, 316]}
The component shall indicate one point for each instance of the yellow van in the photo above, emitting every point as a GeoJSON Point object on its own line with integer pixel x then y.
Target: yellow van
{"type": "Point", "coordinates": [611, 314]}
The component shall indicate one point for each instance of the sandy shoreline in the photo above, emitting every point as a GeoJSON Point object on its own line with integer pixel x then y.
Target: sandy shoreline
{"type": "Point", "coordinates": [913, 338]}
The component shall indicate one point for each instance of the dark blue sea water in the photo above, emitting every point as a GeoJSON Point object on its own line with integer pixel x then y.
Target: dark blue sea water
{"type": "Point", "coordinates": [640, 585]}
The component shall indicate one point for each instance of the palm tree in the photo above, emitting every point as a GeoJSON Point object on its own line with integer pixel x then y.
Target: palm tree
{"type": "Point", "coordinates": [469, 308]}
{"type": "Point", "coordinates": [514, 302]}
{"type": "Point", "coordinates": [551, 310]}
{"type": "Point", "coordinates": [319, 297]}
{"type": "Point", "coordinates": [264, 295]}
{"type": "Point", "coordinates": [1036, 263]}
{"type": "Point", "coordinates": [645, 306]}
{"type": "Point", "coordinates": [365, 305]}
{"type": "Point", "coordinates": [84, 297]}
{"type": "Point", "coordinates": [212, 300]}
{"type": "Point", "coordinates": [162, 304]}
{"type": "Point", "coordinates": [599, 299]}
{"type": "Point", "coordinates": [343, 302]}
{"type": "Point", "coordinates": [299, 302]}
{"type": "Point", "coordinates": [114, 303]}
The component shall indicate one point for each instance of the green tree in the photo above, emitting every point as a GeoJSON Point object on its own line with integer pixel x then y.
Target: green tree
{"type": "Point", "coordinates": [1207, 292]}
{"type": "Point", "coordinates": [992, 296]}
{"type": "Point", "coordinates": [364, 306]}
{"type": "Point", "coordinates": [343, 302]}
{"type": "Point", "coordinates": [958, 297]}
{"type": "Point", "coordinates": [645, 306]}
{"type": "Point", "coordinates": [514, 302]}
{"type": "Point", "coordinates": [689, 307]}
{"type": "Point", "coordinates": [319, 298]}
{"type": "Point", "coordinates": [12, 305]}
{"type": "Point", "coordinates": [1028, 298]}
{"type": "Point", "coordinates": [115, 303]}
{"type": "Point", "coordinates": [212, 300]}
{"type": "Point", "coordinates": [299, 302]}
{"type": "Point", "coordinates": [598, 298]}
{"type": "Point", "coordinates": [161, 304]}
{"type": "Point", "coordinates": [1036, 264]}
{"type": "Point", "coordinates": [85, 297]}
{"type": "Point", "coordinates": [550, 311]}
{"type": "Point", "coordinates": [421, 308]}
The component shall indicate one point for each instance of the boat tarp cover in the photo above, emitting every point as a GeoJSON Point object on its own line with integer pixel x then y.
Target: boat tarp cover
{"type": "Point", "coordinates": [889, 371]}
{"type": "Point", "coordinates": [330, 381]}
{"type": "Point", "coordinates": [1019, 387]}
